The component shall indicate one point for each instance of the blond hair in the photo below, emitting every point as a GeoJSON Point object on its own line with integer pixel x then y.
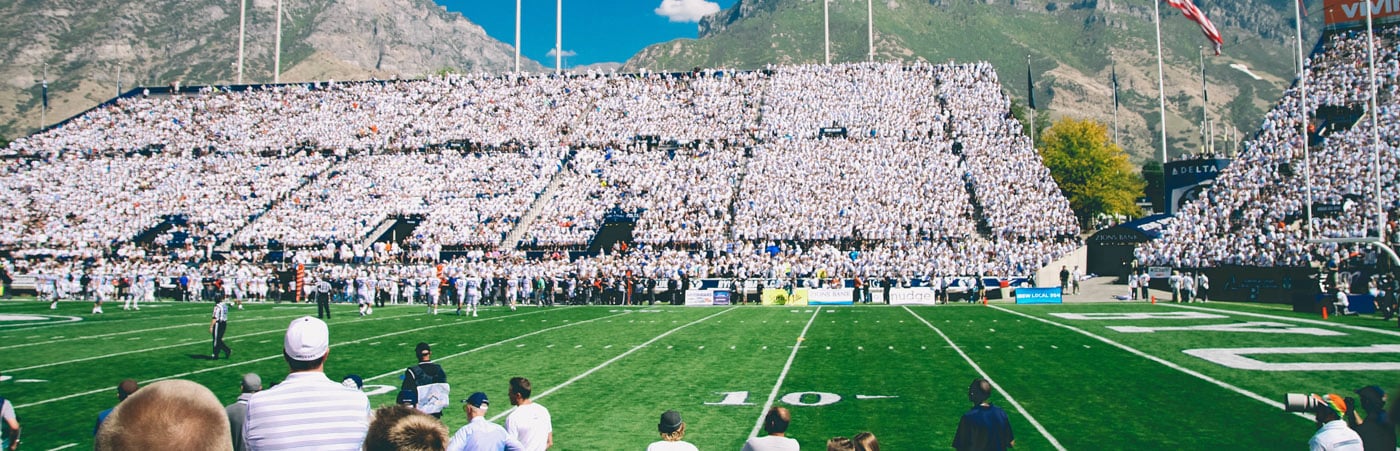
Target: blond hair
{"type": "Point", "coordinates": [171, 414]}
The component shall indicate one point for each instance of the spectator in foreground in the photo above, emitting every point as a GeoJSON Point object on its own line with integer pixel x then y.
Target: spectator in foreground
{"type": "Point", "coordinates": [170, 414]}
{"type": "Point", "coordinates": [1332, 432]}
{"type": "Point", "coordinates": [400, 428]}
{"type": "Point", "coordinates": [428, 380]}
{"type": "Point", "coordinates": [866, 441]}
{"type": "Point", "coordinates": [672, 430]}
{"type": "Point", "coordinates": [307, 409]}
{"type": "Point", "coordinates": [238, 411]}
{"type": "Point", "coordinates": [1377, 429]}
{"type": "Point", "coordinates": [775, 423]}
{"type": "Point", "coordinates": [985, 427]}
{"type": "Point", "coordinates": [124, 389]}
{"type": "Point", "coordinates": [479, 434]}
{"type": "Point", "coordinates": [530, 423]}
{"type": "Point", "coordinates": [9, 430]}
{"type": "Point", "coordinates": [840, 444]}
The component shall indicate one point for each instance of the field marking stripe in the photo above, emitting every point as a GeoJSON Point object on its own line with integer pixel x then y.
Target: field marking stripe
{"type": "Point", "coordinates": [988, 377]}
{"type": "Point", "coordinates": [1285, 318]}
{"type": "Point", "coordinates": [610, 361]}
{"type": "Point", "coordinates": [19, 327]}
{"type": "Point", "coordinates": [70, 445]}
{"type": "Point", "coordinates": [137, 351]}
{"type": "Point", "coordinates": [508, 340]}
{"type": "Point", "coordinates": [113, 334]}
{"type": "Point", "coordinates": [773, 396]}
{"type": "Point", "coordinates": [1168, 364]}
{"type": "Point", "coordinates": [278, 356]}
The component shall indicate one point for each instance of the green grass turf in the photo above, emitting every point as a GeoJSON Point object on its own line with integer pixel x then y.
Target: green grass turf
{"type": "Point", "coordinates": [606, 373]}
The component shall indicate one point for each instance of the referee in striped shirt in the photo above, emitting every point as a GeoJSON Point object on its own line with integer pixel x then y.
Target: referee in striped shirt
{"type": "Point", "coordinates": [218, 326]}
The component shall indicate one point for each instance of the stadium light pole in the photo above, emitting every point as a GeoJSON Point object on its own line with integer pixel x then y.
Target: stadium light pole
{"type": "Point", "coordinates": [870, 26]}
{"type": "Point", "coordinates": [826, 28]}
{"type": "Point", "coordinates": [277, 52]}
{"type": "Point", "coordinates": [517, 36]}
{"type": "Point", "coordinates": [242, 26]}
{"type": "Point", "coordinates": [558, 37]}
{"type": "Point", "coordinates": [1303, 113]}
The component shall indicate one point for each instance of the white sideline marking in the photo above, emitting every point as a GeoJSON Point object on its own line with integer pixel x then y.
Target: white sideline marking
{"type": "Point", "coordinates": [1284, 318]}
{"type": "Point", "coordinates": [231, 365]}
{"type": "Point", "coordinates": [61, 338]}
{"type": "Point", "coordinates": [70, 445]}
{"type": "Point", "coordinates": [137, 351]}
{"type": "Point", "coordinates": [1004, 393]}
{"type": "Point", "coordinates": [783, 375]}
{"type": "Point", "coordinates": [610, 361]}
{"type": "Point", "coordinates": [1134, 351]}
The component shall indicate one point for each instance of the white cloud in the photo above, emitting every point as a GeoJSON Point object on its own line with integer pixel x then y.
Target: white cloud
{"type": "Point", "coordinates": [686, 10]}
{"type": "Point", "coordinates": [567, 53]}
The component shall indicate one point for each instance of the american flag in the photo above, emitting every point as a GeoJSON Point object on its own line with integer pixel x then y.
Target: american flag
{"type": "Point", "coordinates": [1190, 10]}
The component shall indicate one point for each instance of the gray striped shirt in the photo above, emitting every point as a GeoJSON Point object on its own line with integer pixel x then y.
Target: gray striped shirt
{"type": "Point", "coordinates": [221, 312]}
{"type": "Point", "coordinates": [306, 411]}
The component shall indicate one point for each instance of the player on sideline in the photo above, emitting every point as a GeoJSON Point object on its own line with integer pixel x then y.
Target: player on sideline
{"type": "Point", "coordinates": [98, 285]}
{"type": "Point", "coordinates": [136, 292]}
{"type": "Point", "coordinates": [512, 290]}
{"type": "Point", "coordinates": [459, 287]}
{"type": "Point", "coordinates": [473, 293]}
{"type": "Point", "coordinates": [431, 287]}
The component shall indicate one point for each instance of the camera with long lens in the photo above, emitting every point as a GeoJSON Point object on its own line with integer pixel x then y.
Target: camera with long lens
{"type": "Point", "coordinates": [1298, 402]}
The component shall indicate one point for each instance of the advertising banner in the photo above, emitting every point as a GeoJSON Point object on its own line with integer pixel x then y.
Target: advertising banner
{"type": "Point", "coordinates": [1186, 179]}
{"type": "Point", "coordinates": [830, 296]}
{"type": "Point", "coordinates": [912, 296]}
{"type": "Point", "coordinates": [1343, 14]}
{"type": "Point", "coordinates": [774, 296]}
{"type": "Point", "coordinates": [699, 297]}
{"type": "Point", "coordinates": [1159, 272]}
{"type": "Point", "coordinates": [721, 297]}
{"type": "Point", "coordinates": [1045, 295]}
{"type": "Point", "coordinates": [799, 297]}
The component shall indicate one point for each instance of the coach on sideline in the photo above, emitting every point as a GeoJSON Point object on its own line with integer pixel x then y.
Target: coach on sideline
{"type": "Point", "coordinates": [307, 410]}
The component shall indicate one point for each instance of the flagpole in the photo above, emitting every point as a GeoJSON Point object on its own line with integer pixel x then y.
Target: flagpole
{"type": "Point", "coordinates": [277, 53]}
{"type": "Point", "coordinates": [44, 108]}
{"type": "Point", "coordinates": [1205, 98]}
{"type": "Point", "coordinates": [517, 36]}
{"type": "Point", "coordinates": [1030, 95]}
{"type": "Point", "coordinates": [1161, 90]}
{"type": "Point", "coordinates": [826, 28]}
{"type": "Point", "coordinates": [870, 21]}
{"type": "Point", "coordinates": [1303, 114]}
{"type": "Point", "coordinates": [1375, 125]}
{"type": "Point", "coordinates": [558, 37]}
{"type": "Point", "coordinates": [1115, 104]}
{"type": "Point", "coordinates": [242, 26]}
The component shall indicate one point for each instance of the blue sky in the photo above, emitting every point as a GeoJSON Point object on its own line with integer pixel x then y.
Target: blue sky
{"type": "Point", "coordinates": [594, 30]}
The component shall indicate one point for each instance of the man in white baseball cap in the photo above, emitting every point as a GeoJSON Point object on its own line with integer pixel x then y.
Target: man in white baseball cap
{"type": "Point", "coordinates": [306, 410]}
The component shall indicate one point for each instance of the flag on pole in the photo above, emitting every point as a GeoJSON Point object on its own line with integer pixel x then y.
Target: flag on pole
{"type": "Point", "coordinates": [1115, 87]}
{"type": "Point", "coordinates": [1190, 10]}
{"type": "Point", "coordinates": [1030, 85]}
{"type": "Point", "coordinates": [45, 93]}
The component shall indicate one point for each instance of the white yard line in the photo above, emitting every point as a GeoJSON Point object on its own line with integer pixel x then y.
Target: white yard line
{"type": "Point", "coordinates": [610, 362]}
{"type": "Point", "coordinates": [277, 356]}
{"type": "Point", "coordinates": [508, 340]}
{"type": "Point", "coordinates": [1222, 384]}
{"type": "Point", "coordinates": [988, 377]}
{"type": "Point", "coordinates": [773, 396]}
{"type": "Point", "coordinates": [113, 334]}
{"type": "Point", "coordinates": [70, 445]}
{"type": "Point", "coordinates": [1286, 318]}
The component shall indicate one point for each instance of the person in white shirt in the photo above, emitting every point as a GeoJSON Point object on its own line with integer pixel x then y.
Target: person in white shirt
{"type": "Point", "coordinates": [775, 423]}
{"type": "Point", "coordinates": [478, 433]}
{"type": "Point", "coordinates": [672, 430]}
{"type": "Point", "coordinates": [1332, 433]}
{"type": "Point", "coordinates": [529, 422]}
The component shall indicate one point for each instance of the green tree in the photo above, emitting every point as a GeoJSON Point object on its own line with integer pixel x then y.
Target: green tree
{"type": "Point", "coordinates": [1155, 187]}
{"type": "Point", "coordinates": [1092, 171]}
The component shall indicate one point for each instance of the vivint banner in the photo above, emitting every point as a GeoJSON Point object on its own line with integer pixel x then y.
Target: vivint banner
{"type": "Point", "coordinates": [912, 296]}
{"type": "Point", "coordinates": [707, 297]}
{"type": "Point", "coordinates": [1343, 14]}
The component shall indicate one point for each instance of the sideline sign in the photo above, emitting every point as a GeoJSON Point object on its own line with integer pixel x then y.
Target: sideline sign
{"type": "Point", "coordinates": [1039, 295]}
{"type": "Point", "coordinates": [912, 296]}
{"type": "Point", "coordinates": [830, 296]}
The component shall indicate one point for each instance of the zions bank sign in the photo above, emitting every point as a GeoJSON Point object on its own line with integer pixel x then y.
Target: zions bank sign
{"type": "Point", "coordinates": [1343, 14]}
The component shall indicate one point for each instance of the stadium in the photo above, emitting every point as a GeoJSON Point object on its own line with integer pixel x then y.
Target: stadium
{"type": "Point", "coordinates": [851, 241]}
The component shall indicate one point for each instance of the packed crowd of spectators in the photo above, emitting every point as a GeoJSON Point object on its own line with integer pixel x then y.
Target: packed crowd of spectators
{"type": "Point", "coordinates": [722, 172]}
{"type": "Point", "coordinates": [1255, 214]}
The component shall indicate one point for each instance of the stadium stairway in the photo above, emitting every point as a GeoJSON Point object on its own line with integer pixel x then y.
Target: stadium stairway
{"type": "Point", "coordinates": [533, 212]}
{"type": "Point", "coordinates": [149, 236]}
{"type": "Point", "coordinates": [394, 229]}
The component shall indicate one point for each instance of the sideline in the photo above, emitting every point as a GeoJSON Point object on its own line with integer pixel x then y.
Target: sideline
{"type": "Point", "coordinates": [783, 375]}
{"type": "Point", "coordinates": [1168, 364]}
{"type": "Point", "coordinates": [1043, 432]}
{"type": "Point", "coordinates": [610, 362]}
{"type": "Point", "coordinates": [278, 356]}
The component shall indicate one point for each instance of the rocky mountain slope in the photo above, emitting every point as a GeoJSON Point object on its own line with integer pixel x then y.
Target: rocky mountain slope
{"type": "Point", "coordinates": [1073, 46]}
{"type": "Point", "coordinates": [86, 44]}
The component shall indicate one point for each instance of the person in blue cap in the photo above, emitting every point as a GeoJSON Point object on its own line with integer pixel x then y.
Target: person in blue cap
{"type": "Point", "coordinates": [480, 434]}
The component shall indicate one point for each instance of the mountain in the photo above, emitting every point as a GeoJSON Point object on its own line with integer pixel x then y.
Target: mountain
{"type": "Point", "coordinates": [86, 44]}
{"type": "Point", "coordinates": [1073, 46]}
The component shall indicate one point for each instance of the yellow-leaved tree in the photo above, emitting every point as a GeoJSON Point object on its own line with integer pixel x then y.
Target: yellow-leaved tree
{"type": "Point", "coordinates": [1093, 172]}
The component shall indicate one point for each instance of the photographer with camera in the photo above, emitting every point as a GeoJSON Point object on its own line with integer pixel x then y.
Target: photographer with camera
{"type": "Point", "coordinates": [1329, 409]}
{"type": "Point", "coordinates": [1377, 429]}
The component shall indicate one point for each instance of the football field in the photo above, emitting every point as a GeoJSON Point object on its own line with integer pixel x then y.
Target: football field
{"type": "Point", "coordinates": [1074, 376]}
